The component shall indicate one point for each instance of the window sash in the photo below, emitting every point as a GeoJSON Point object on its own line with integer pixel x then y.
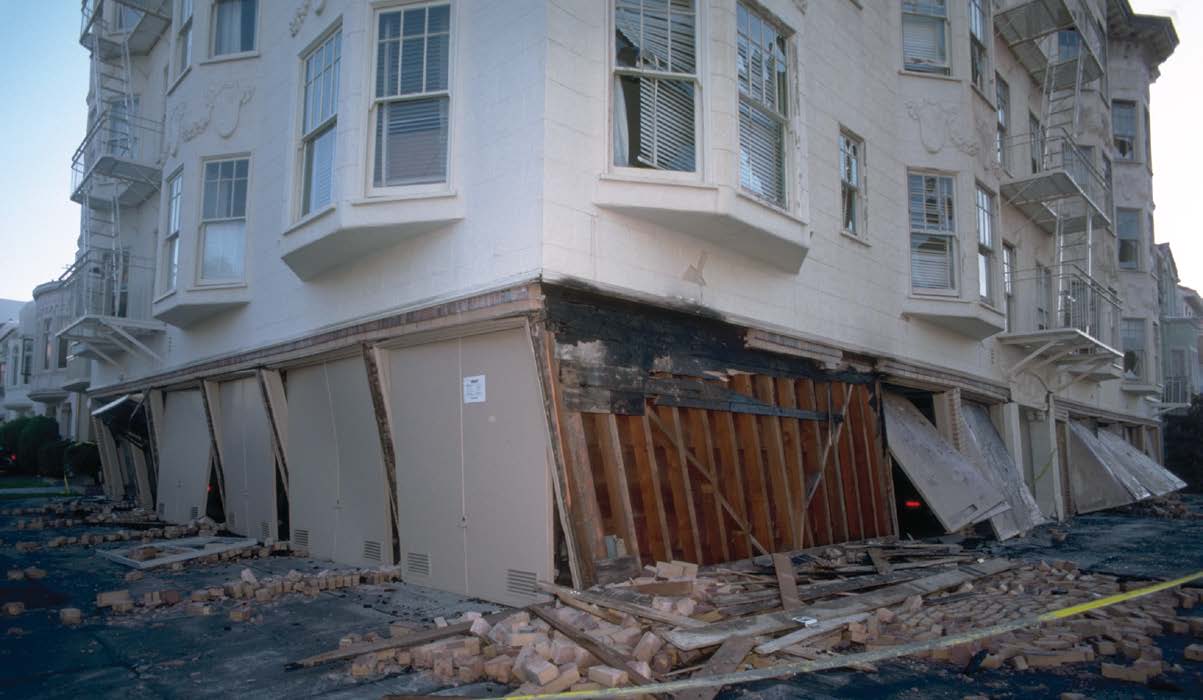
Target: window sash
{"type": "Point", "coordinates": [223, 251]}
{"type": "Point", "coordinates": [319, 170]}
{"type": "Point", "coordinates": [850, 178]}
{"type": "Point", "coordinates": [1123, 129]}
{"type": "Point", "coordinates": [225, 189]}
{"type": "Point", "coordinates": [234, 26]}
{"type": "Point", "coordinates": [931, 203]}
{"type": "Point", "coordinates": [321, 84]}
{"type": "Point", "coordinates": [171, 262]}
{"type": "Point", "coordinates": [925, 36]}
{"type": "Point", "coordinates": [985, 244]}
{"type": "Point", "coordinates": [932, 261]}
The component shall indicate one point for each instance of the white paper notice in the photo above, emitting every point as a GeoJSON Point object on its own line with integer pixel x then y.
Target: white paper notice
{"type": "Point", "coordinates": [474, 389]}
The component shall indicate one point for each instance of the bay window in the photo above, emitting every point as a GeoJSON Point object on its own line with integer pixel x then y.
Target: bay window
{"type": "Point", "coordinates": [656, 84]}
{"type": "Point", "coordinates": [223, 220]}
{"type": "Point", "coordinates": [412, 103]}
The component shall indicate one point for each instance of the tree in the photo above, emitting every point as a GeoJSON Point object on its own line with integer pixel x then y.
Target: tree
{"type": "Point", "coordinates": [1184, 445]}
{"type": "Point", "coordinates": [38, 431]}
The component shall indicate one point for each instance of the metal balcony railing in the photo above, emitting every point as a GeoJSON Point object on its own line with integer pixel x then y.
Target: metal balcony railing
{"type": "Point", "coordinates": [1031, 29]}
{"type": "Point", "coordinates": [109, 283]}
{"type": "Point", "coordinates": [1178, 390]}
{"type": "Point", "coordinates": [119, 146]}
{"type": "Point", "coordinates": [1058, 169]}
{"type": "Point", "coordinates": [1043, 299]}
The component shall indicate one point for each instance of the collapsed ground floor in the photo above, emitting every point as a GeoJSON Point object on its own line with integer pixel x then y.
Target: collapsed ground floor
{"type": "Point", "coordinates": [547, 432]}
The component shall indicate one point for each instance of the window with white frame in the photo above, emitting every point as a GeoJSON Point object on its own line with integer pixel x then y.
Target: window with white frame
{"type": "Point", "coordinates": [985, 244]}
{"type": "Point", "coordinates": [1127, 229]}
{"type": "Point", "coordinates": [1123, 129]}
{"type": "Point", "coordinates": [1002, 98]}
{"type": "Point", "coordinates": [234, 26]}
{"type": "Point", "coordinates": [656, 84]}
{"type": "Point", "coordinates": [763, 95]}
{"type": "Point", "coordinates": [183, 38]}
{"type": "Point", "coordinates": [852, 198]}
{"type": "Point", "coordinates": [318, 124]}
{"type": "Point", "coordinates": [412, 104]}
{"type": "Point", "coordinates": [925, 36]}
{"type": "Point", "coordinates": [979, 58]}
{"type": "Point", "coordinates": [1008, 261]}
{"type": "Point", "coordinates": [1132, 337]}
{"type": "Point", "coordinates": [933, 232]}
{"type": "Point", "coordinates": [223, 220]}
{"type": "Point", "coordinates": [171, 243]}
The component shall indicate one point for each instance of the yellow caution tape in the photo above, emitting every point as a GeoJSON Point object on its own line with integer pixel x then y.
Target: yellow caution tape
{"type": "Point", "coordinates": [867, 657]}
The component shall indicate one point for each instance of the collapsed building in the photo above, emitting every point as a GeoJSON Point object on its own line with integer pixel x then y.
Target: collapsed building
{"type": "Point", "coordinates": [503, 292]}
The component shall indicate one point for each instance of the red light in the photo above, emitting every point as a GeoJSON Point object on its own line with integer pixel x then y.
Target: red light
{"type": "Point", "coordinates": [912, 504]}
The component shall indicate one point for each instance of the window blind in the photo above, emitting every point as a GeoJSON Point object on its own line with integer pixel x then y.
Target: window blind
{"type": "Point", "coordinates": [931, 261]}
{"type": "Point", "coordinates": [761, 71]}
{"type": "Point", "coordinates": [924, 41]}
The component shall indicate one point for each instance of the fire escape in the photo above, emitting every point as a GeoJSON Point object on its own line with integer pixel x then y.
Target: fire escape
{"type": "Point", "coordinates": [116, 169]}
{"type": "Point", "coordinates": [1065, 315]}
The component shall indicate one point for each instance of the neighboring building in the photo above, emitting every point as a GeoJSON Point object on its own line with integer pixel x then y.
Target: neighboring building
{"type": "Point", "coordinates": [1182, 331]}
{"type": "Point", "coordinates": [497, 289]}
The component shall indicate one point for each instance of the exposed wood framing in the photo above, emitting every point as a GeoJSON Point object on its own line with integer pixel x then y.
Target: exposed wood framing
{"type": "Point", "coordinates": [212, 403]}
{"type": "Point", "coordinates": [114, 483]}
{"type": "Point", "coordinates": [271, 389]}
{"type": "Point", "coordinates": [615, 475]}
{"type": "Point", "coordinates": [379, 389]}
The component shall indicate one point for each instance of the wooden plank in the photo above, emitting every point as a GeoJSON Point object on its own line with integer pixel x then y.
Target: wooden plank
{"type": "Point", "coordinates": [881, 460]}
{"type": "Point", "coordinates": [730, 481]}
{"type": "Point", "coordinates": [811, 591]}
{"type": "Point", "coordinates": [703, 444]}
{"type": "Point", "coordinates": [681, 485]}
{"type": "Point", "coordinates": [622, 606]}
{"type": "Point", "coordinates": [212, 405]}
{"type": "Point", "coordinates": [717, 633]}
{"type": "Point", "coordinates": [616, 480]}
{"type": "Point", "coordinates": [845, 462]}
{"type": "Point", "coordinates": [145, 498]}
{"type": "Point", "coordinates": [606, 654]}
{"type": "Point", "coordinates": [830, 476]}
{"type": "Point", "coordinates": [752, 458]}
{"type": "Point", "coordinates": [154, 406]}
{"type": "Point", "coordinates": [711, 478]}
{"type": "Point", "coordinates": [409, 640]}
{"type": "Point", "coordinates": [379, 390]}
{"type": "Point", "coordinates": [818, 501]}
{"type": "Point", "coordinates": [858, 413]}
{"type": "Point", "coordinates": [880, 563]}
{"type": "Point", "coordinates": [581, 494]}
{"type": "Point", "coordinates": [824, 627]}
{"type": "Point", "coordinates": [647, 472]}
{"type": "Point", "coordinates": [271, 392]}
{"type": "Point", "coordinates": [794, 461]}
{"type": "Point", "coordinates": [787, 583]}
{"type": "Point", "coordinates": [779, 482]}
{"type": "Point", "coordinates": [727, 659]}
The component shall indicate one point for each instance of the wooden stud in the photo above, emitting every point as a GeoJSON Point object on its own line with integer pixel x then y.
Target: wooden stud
{"type": "Point", "coordinates": [581, 494]}
{"type": "Point", "coordinates": [794, 460]}
{"type": "Point", "coordinates": [774, 443]}
{"type": "Point", "coordinates": [818, 496]}
{"type": "Point", "coordinates": [710, 477]}
{"type": "Point", "coordinates": [616, 480]}
{"type": "Point", "coordinates": [647, 475]}
{"type": "Point", "coordinates": [830, 476]}
{"type": "Point", "coordinates": [870, 496]}
{"type": "Point", "coordinates": [379, 389]}
{"type": "Point", "coordinates": [702, 443]}
{"type": "Point", "coordinates": [846, 461]}
{"type": "Point", "coordinates": [787, 582]}
{"type": "Point", "coordinates": [684, 510]}
{"type": "Point", "coordinates": [753, 462]}
{"type": "Point", "coordinates": [885, 469]}
{"type": "Point", "coordinates": [730, 482]}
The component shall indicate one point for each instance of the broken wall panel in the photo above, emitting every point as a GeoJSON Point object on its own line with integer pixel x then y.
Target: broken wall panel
{"type": "Point", "coordinates": [1024, 513]}
{"type": "Point", "coordinates": [337, 487]}
{"type": "Point", "coordinates": [951, 486]}
{"type": "Point", "coordinates": [1157, 479]}
{"type": "Point", "coordinates": [248, 461]}
{"type": "Point", "coordinates": [184, 457]}
{"type": "Point", "coordinates": [1096, 480]}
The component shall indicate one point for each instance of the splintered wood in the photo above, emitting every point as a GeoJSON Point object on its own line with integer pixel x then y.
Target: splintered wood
{"type": "Point", "coordinates": [675, 620]}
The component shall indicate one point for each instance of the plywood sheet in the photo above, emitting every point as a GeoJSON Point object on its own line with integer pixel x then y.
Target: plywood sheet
{"type": "Point", "coordinates": [1096, 482]}
{"type": "Point", "coordinates": [1154, 477]}
{"type": "Point", "coordinates": [248, 463]}
{"type": "Point", "coordinates": [951, 486]}
{"type": "Point", "coordinates": [336, 474]}
{"type": "Point", "coordinates": [183, 457]}
{"type": "Point", "coordinates": [1024, 513]}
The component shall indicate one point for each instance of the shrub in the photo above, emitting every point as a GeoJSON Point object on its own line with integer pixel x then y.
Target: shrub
{"type": "Point", "coordinates": [37, 432]}
{"type": "Point", "coordinates": [50, 458]}
{"type": "Point", "coordinates": [10, 433]}
{"type": "Point", "coordinates": [1184, 445]}
{"type": "Point", "coordinates": [82, 458]}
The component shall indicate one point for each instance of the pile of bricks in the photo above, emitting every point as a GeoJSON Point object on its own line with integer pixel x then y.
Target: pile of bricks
{"type": "Point", "coordinates": [246, 589]}
{"type": "Point", "coordinates": [1170, 507]}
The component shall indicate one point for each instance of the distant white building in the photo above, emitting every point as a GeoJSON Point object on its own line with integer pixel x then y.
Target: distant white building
{"type": "Point", "coordinates": [496, 290]}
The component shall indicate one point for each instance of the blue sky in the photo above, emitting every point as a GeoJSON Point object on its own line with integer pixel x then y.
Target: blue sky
{"type": "Point", "coordinates": [43, 122]}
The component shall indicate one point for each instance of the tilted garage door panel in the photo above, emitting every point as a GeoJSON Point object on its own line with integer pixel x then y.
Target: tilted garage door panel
{"type": "Point", "coordinates": [424, 390]}
{"type": "Point", "coordinates": [507, 487]}
{"type": "Point", "coordinates": [183, 457]}
{"type": "Point", "coordinates": [364, 533]}
{"type": "Point", "coordinates": [247, 460]}
{"type": "Point", "coordinates": [312, 463]}
{"type": "Point", "coordinates": [1096, 482]}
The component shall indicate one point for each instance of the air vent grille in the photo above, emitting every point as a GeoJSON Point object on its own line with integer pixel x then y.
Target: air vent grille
{"type": "Point", "coordinates": [194, 513]}
{"type": "Point", "coordinates": [265, 531]}
{"type": "Point", "coordinates": [417, 563]}
{"type": "Point", "coordinates": [300, 538]}
{"type": "Point", "coordinates": [371, 550]}
{"type": "Point", "coordinates": [521, 582]}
